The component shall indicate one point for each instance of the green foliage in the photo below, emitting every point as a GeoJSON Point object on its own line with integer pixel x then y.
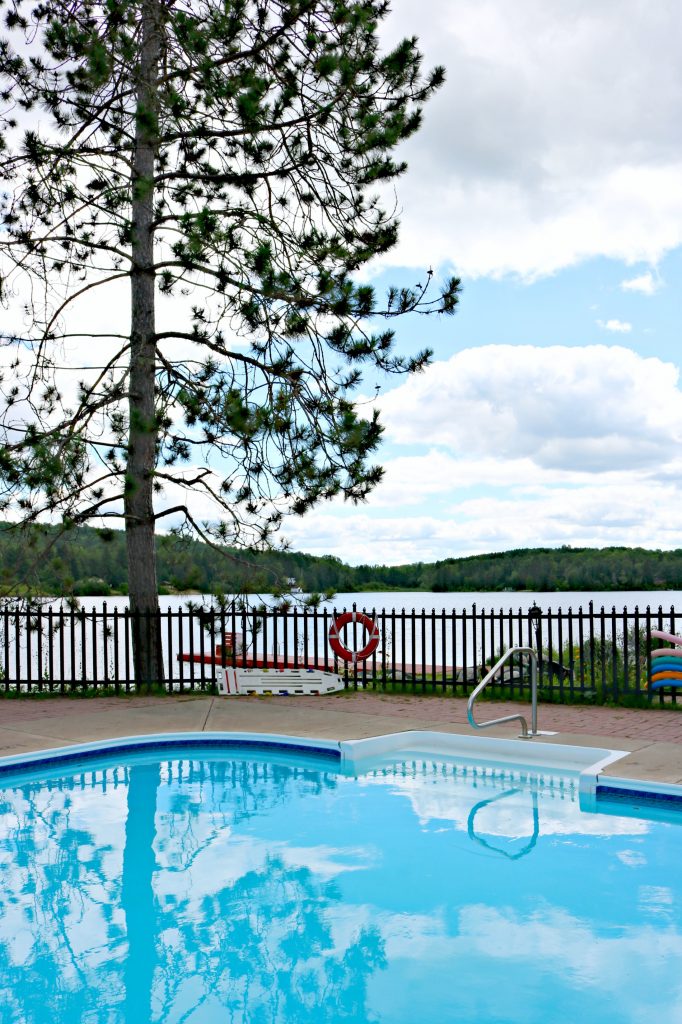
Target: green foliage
{"type": "Point", "coordinates": [608, 670]}
{"type": "Point", "coordinates": [80, 693]}
{"type": "Point", "coordinates": [93, 563]}
{"type": "Point", "coordinates": [88, 561]}
{"type": "Point", "coordinates": [539, 569]}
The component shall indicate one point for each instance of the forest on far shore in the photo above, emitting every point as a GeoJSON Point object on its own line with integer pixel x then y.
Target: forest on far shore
{"type": "Point", "coordinates": [85, 561]}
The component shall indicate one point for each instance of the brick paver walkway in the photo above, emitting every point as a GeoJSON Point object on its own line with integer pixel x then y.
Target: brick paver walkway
{"type": "Point", "coordinates": [36, 709]}
{"type": "Point", "coordinates": [660, 725]}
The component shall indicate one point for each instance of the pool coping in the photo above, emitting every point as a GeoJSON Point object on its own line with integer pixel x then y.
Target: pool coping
{"type": "Point", "coordinates": [165, 741]}
{"type": "Point", "coordinates": [586, 762]}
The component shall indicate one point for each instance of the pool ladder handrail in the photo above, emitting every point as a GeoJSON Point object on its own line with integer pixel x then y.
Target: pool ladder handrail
{"type": "Point", "coordinates": [525, 733]}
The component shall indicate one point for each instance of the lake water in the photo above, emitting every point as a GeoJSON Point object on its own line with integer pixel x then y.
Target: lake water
{"type": "Point", "coordinates": [512, 600]}
{"type": "Point", "coordinates": [418, 600]}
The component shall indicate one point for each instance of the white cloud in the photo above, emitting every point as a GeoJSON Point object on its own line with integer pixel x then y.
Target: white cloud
{"type": "Point", "coordinates": [594, 517]}
{"type": "Point", "coordinates": [517, 446]}
{"type": "Point", "coordinates": [645, 284]}
{"type": "Point", "coordinates": [588, 409]}
{"type": "Point", "coordinates": [553, 139]}
{"type": "Point", "coordinates": [617, 326]}
{"type": "Point", "coordinates": [411, 480]}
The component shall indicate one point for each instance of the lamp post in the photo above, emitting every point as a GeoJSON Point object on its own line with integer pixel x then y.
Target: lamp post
{"type": "Point", "coordinates": [535, 617]}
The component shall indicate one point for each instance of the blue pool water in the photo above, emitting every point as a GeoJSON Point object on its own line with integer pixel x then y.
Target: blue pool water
{"type": "Point", "coordinates": [198, 887]}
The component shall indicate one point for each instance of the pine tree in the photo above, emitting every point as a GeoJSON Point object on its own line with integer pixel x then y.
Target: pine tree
{"type": "Point", "coordinates": [226, 161]}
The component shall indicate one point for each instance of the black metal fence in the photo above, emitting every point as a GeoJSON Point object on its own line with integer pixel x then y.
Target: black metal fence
{"type": "Point", "coordinates": [586, 654]}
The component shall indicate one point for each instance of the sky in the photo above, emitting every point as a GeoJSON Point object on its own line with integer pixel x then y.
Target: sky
{"type": "Point", "coordinates": [548, 176]}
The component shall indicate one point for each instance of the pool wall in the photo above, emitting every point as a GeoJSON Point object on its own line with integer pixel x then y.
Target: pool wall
{"type": "Point", "coordinates": [357, 755]}
{"type": "Point", "coordinates": [156, 741]}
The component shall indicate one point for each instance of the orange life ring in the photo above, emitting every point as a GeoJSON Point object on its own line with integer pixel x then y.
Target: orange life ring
{"type": "Point", "coordinates": [344, 652]}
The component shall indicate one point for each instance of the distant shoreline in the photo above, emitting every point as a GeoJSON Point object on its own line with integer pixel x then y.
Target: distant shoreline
{"type": "Point", "coordinates": [87, 562]}
{"type": "Point", "coordinates": [199, 594]}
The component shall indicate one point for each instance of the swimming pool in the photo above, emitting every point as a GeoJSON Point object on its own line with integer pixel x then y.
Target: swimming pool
{"type": "Point", "coordinates": [201, 883]}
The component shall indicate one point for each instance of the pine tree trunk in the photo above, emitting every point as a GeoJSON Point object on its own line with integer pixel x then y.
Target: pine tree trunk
{"type": "Point", "coordinates": [143, 430]}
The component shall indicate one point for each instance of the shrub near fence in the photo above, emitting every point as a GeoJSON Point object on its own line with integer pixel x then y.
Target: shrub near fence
{"type": "Point", "coordinates": [587, 654]}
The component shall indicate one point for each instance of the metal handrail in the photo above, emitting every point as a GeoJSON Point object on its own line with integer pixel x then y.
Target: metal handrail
{"type": "Point", "coordinates": [525, 734]}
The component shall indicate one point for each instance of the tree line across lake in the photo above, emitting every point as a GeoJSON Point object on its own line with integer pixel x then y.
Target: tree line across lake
{"type": "Point", "coordinates": [86, 561]}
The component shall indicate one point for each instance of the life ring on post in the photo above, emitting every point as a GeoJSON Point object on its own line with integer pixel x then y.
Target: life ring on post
{"type": "Point", "coordinates": [344, 652]}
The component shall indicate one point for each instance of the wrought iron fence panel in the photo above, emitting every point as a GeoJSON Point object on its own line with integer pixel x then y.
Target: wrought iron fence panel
{"type": "Point", "coordinates": [584, 654]}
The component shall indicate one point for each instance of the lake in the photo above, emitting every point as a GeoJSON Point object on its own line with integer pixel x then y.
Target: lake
{"type": "Point", "coordinates": [418, 600]}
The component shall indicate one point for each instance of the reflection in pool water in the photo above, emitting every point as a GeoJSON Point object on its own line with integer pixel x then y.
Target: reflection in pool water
{"type": "Point", "coordinates": [522, 851]}
{"type": "Point", "coordinates": [206, 888]}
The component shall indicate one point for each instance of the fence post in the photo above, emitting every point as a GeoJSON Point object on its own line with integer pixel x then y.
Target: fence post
{"type": "Point", "coordinates": [6, 671]}
{"type": "Point", "coordinates": [465, 667]}
{"type": "Point", "coordinates": [560, 651]}
{"type": "Point", "coordinates": [50, 652]}
{"type": "Point", "coordinates": [443, 651]}
{"type": "Point", "coordinates": [571, 657]}
{"type": "Point", "coordinates": [285, 639]}
{"type": "Point", "coordinates": [454, 652]}
{"type": "Point", "coordinates": [615, 688]}
{"type": "Point", "coordinates": [117, 674]}
{"type": "Point", "coordinates": [39, 619]}
{"type": "Point", "coordinates": [126, 640]}
{"type": "Point", "coordinates": [422, 627]}
{"type": "Point", "coordinates": [192, 664]}
{"type": "Point", "coordinates": [626, 651]}
{"type": "Point", "coordinates": [483, 651]}
{"type": "Point", "coordinates": [105, 643]}
{"type": "Point", "coordinates": [638, 667]}
{"type": "Point", "coordinates": [535, 626]}
{"type": "Point", "coordinates": [95, 671]}
{"type": "Point", "coordinates": [551, 678]}
{"type": "Point", "coordinates": [169, 649]}
{"type": "Point", "coordinates": [648, 647]}
{"type": "Point", "coordinates": [84, 673]}
{"type": "Point", "coordinates": [403, 648]}
{"type": "Point", "coordinates": [17, 647]}
{"type": "Point", "coordinates": [660, 626]}
{"type": "Point", "coordinates": [295, 622]}
{"type": "Point", "coordinates": [673, 689]}
{"type": "Point", "coordinates": [602, 649]}
{"type": "Point", "coordinates": [325, 634]}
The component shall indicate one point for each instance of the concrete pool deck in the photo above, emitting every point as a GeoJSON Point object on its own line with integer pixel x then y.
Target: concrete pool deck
{"type": "Point", "coordinates": [653, 738]}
